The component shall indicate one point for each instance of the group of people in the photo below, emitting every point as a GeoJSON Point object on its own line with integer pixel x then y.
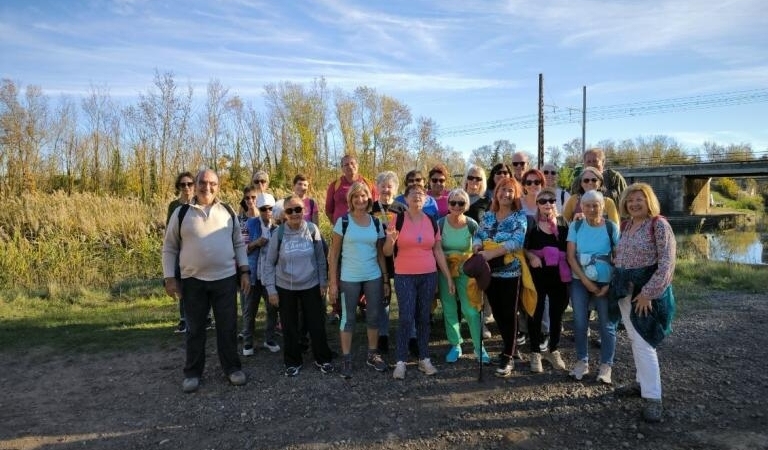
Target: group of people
{"type": "Point", "coordinates": [514, 245]}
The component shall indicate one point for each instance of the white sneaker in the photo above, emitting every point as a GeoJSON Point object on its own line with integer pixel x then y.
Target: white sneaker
{"type": "Point", "coordinates": [486, 332]}
{"type": "Point", "coordinates": [604, 374]}
{"type": "Point", "coordinates": [272, 346]}
{"type": "Point", "coordinates": [579, 370]}
{"type": "Point", "coordinates": [399, 372]}
{"type": "Point", "coordinates": [425, 365]}
{"type": "Point", "coordinates": [555, 359]}
{"type": "Point", "coordinates": [536, 363]}
{"type": "Point", "coordinates": [247, 350]}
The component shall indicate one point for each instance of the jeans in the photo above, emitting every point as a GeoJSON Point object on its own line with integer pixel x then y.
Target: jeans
{"type": "Point", "coordinates": [312, 305]}
{"type": "Point", "coordinates": [414, 303]}
{"type": "Point", "coordinates": [580, 299]}
{"type": "Point", "coordinates": [251, 308]}
{"type": "Point", "coordinates": [200, 296]}
{"type": "Point", "coordinates": [350, 292]}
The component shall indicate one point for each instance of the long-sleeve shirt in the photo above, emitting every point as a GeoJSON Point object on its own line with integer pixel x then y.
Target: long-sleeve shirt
{"type": "Point", "coordinates": [642, 250]}
{"type": "Point", "coordinates": [296, 263]}
{"type": "Point", "coordinates": [510, 233]}
{"type": "Point", "coordinates": [208, 245]}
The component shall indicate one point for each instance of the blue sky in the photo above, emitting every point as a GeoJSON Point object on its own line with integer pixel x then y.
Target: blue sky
{"type": "Point", "coordinates": [457, 62]}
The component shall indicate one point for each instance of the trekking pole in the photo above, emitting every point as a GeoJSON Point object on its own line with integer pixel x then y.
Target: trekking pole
{"type": "Point", "coordinates": [480, 356]}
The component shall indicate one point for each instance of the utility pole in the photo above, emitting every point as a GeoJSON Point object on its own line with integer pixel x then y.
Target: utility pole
{"type": "Point", "coordinates": [583, 120]}
{"type": "Point", "coordinates": [541, 121]}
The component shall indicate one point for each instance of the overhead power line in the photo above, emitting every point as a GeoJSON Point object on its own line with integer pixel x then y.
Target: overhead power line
{"type": "Point", "coordinates": [570, 115]}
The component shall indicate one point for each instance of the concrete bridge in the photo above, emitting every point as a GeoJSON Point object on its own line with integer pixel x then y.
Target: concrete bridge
{"type": "Point", "coordinates": [684, 189]}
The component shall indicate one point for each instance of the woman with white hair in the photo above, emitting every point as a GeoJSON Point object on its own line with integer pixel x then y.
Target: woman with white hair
{"type": "Point", "coordinates": [589, 251]}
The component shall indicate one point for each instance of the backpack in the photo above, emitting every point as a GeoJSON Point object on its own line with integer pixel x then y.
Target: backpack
{"type": "Point", "coordinates": [471, 224]}
{"type": "Point", "coordinates": [345, 224]}
{"type": "Point", "coordinates": [310, 226]}
{"type": "Point", "coordinates": [610, 227]}
{"type": "Point", "coordinates": [399, 226]}
{"type": "Point", "coordinates": [185, 207]}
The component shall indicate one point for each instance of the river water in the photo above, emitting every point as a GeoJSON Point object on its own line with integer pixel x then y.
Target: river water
{"type": "Point", "coordinates": [747, 247]}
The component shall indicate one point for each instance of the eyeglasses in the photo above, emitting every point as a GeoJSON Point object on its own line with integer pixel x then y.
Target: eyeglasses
{"type": "Point", "coordinates": [457, 203]}
{"type": "Point", "coordinates": [471, 178]}
{"type": "Point", "coordinates": [190, 184]}
{"type": "Point", "coordinates": [209, 183]}
{"type": "Point", "coordinates": [265, 208]}
{"type": "Point", "coordinates": [518, 163]}
{"type": "Point", "coordinates": [530, 182]}
{"type": "Point", "coordinates": [259, 181]}
{"type": "Point", "coordinates": [589, 180]}
{"type": "Point", "coordinates": [549, 172]}
{"type": "Point", "coordinates": [502, 172]}
{"type": "Point", "coordinates": [414, 180]}
{"type": "Point", "coordinates": [294, 210]}
{"type": "Point", "coordinates": [438, 180]}
{"type": "Point", "coordinates": [544, 201]}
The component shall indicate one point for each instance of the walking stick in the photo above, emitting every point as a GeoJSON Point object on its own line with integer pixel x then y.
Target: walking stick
{"type": "Point", "coordinates": [480, 356]}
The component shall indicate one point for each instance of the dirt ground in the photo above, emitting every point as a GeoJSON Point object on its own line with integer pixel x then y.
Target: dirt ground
{"type": "Point", "coordinates": [714, 374]}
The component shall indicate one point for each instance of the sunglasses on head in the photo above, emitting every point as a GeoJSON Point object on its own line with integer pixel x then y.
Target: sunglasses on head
{"type": "Point", "coordinates": [502, 172]}
{"type": "Point", "coordinates": [530, 182]}
{"type": "Point", "coordinates": [295, 209]}
{"type": "Point", "coordinates": [457, 203]}
{"type": "Point", "coordinates": [438, 180]}
{"type": "Point", "coordinates": [519, 163]}
{"type": "Point", "coordinates": [265, 208]}
{"type": "Point", "coordinates": [190, 184]}
{"type": "Point", "coordinates": [259, 181]}
{"type": "Point", "coordinates": [544, 201]}
{"type": "Point", "coordinates": [471, 178]}
{"type": "Point", "coordinates": [549, 172]}
{"type": "Point", "coordinates": [589, 180]}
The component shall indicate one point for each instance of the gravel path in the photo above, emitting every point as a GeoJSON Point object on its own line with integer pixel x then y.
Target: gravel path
{"type": "Point", "coordinates": [714, 374]}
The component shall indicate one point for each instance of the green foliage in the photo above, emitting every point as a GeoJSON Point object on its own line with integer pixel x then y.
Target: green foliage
{"type": "Point", "coordinates": [728, 187]}
{"type": "Point", "coordinates": [694, 278]}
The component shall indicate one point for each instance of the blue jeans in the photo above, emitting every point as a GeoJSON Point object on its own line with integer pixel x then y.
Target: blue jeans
{"type": "Point", "coordinates": [350, 292]}
{"type": "Point", "coordinates": [580, 299]}
{"type": "Point", "coordinates": [200, 296]}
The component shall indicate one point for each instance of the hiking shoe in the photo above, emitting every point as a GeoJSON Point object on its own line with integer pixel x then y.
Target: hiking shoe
{"type": "Point", "coordinates": [627, 390]}
{"type": "Point", "coordinates": [210, 324]}
{"type": "Point", "coordinates": [579, 370]}
{"type": "Point", "coordinates": [544, 345]}
{"type": "Point", "coordinates": [190, 384]}
{"type": "Point", "coordinates": [181, 327]}
{"type": "Point", "coordinates": [324, 367]}
{"type": "Point", "coordinates": [399, 372]}
{"type": "Point", "coordinates": [333, 318]}
{"type": "Point", "coordinates": [521, 339]}
{"type": "Point", "coordinates": [237, 378]}
{"type": "Point", "coordinates": [652, 410]}
{"type": "Point", "coordinates": [377, 362]}
{"type": "Point", "coordinates": [486, 332]}
{"type": "Point", "coordinates": [271, 346]}
{"type": "Point", "coordinates": [292, 371]}
{"type": "Point", "coordinates": [506, 367]}
{"type": "Point", "coordinates": [453, 354]}
{"type": "Point", "coordinates": [536, 363]}
{"type": "Point", "coordinates": [604, 374]}
{"type": "Point", "coordinates": [555, 359]}
{"type": "Point", "coordinates": [248, 350]}
{"type": "Point", "coordinates": [383, 345]}
{"type": "Point", "coordinates": [484, 357]}
{"type": "Point", "coordinates": [425, 365]}
{"type": "Point", "coordinates": [346, 369]}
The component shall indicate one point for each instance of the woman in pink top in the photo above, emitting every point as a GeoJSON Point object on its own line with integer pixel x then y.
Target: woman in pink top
{"type": "Point", "coordinates": [414, 240]}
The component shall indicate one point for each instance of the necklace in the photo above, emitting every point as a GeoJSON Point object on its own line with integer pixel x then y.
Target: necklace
{"type": "Point", "coordinates": [421, 226]}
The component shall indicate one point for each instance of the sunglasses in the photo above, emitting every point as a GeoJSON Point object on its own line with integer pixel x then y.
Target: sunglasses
{"type": "Point", "coordinates": [589, 180]}
{"type": "Point", "coordinates": [502, 172]}
{"type": "Point", "coordinates": [544, 201]}
{"type": "Point", "coordinates": [190, 184]}
{"type": "Point", "coordinates": [414, 180]}
{"type": "Point", "coordinates": [471, 178]}
{"type": "Point", "coordinates": [438, 180]}
{"type": "Point", "coordinates": [265, 208]}
{"type": "Point", "coordinates": [549, 172]}
{"type": "Point", "coordinates": [295, 209]}
{"type": "Point", "coordinates": [259, 181]}
{"type": "Point", "coordinates": [457, 203]}
{"type": "Point", "coordinates": [519, 164]}
{"type": "Point", "coordinates": [530, 182]}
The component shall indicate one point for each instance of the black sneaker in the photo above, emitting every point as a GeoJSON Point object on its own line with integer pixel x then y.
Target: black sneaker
{"type": "Point", "coordinates": [346, 369]}
{"type": "Point", "coordinates": [292, 371]}
{"type": "Point", "coordinates": [521, 339]}
{"type": "Point", "coordinates": [324, 367]}
{"type": "Point", "coordinates": [383, 345]}
{"type": "Point", "coordinates": [506, 367]}
{"type": "Point", "coordinates": [377, 362]}
{"type": "Point", "coordinates": [209, 325]}
{"type": "Point", "coordinates": [181, 327]}
{"type": "Point", "coordinates": [544, 345]}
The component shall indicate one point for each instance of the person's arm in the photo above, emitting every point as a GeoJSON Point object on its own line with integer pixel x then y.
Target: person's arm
{"type": "Point", "coordinates": [334, 252]}
{"type": "Point", "coordinates": [330, 202]}
{"type": "Point", "coordinates": [269, 269]}
{"type": "Point", "coordinates": [171, 249]}
{"type": "Point", "coordinates": [442, 264]}
{"type": "Point", "coordinates": [666, 247]}
{"type": "Point", "coordinates": [315, 214]}
{"type": "Point", "coordinates": [389, 241]}
{"type": "Point", "coordinates": [382, 260]}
